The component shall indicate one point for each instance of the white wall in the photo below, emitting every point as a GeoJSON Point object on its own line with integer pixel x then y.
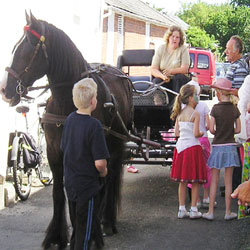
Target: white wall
{"type": "Point", "coordinates": [81, 20]}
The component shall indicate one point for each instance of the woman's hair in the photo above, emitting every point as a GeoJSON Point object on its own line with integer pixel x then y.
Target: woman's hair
{"type": "Point", "coordinates": [185, 92]}
{"type": "Point", "coordinates": [170, 32]}
{"type": "Point", "coordinates": [83, 91]}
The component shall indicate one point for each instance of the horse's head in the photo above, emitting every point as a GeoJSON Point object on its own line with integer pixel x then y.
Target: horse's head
{"type": "Point", "coordinates": [29, 62]}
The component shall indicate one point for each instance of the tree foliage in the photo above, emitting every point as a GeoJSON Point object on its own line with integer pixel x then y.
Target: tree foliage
{"type": "Point", "coordinates": [195, 14]}
{"type": "Point", "coordinates": [228, 22]}
{"type": "Point", "coordinates": [218, 22]}
{"type": "Point", "coordinates": [198, 37]}
{"type": "Point", "coordinates": [240, 3]}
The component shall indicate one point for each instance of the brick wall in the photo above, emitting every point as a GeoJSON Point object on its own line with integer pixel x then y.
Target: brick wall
{"type": "Point", "coordinates": [134, 34]}
{"type": "Point", "coordinates": [157, 31]}
{"type": "Point", "coordinates": [134, 38]}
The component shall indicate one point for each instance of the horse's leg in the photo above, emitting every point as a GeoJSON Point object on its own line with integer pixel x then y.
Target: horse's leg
{"type": "Point", "coordinates": [113, 188]}
{"type": "Point", "coordinates": [57, 231]}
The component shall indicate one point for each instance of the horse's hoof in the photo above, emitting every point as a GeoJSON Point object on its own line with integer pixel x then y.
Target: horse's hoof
{"type": "Point", "coordinates": [114, 229]}
{"type": "Point", "coordinates": [107, 231]}
{"type": "Point", "coordinates": [99, 244]}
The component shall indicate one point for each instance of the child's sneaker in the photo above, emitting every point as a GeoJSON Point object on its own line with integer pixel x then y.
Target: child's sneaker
{"type": "Point", "coordinates": [183, 214]}
{"type": "Point", "coordinates": [194, 214]}
{"type": "Point", "coordinates": [208, 216]}
{"type": "Point", "coordinates": [231, 216]}
{"type": "Point", "coordinates": [205, 203]}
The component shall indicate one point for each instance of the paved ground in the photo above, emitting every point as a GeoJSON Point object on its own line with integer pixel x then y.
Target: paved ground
{"type": "Point", "coordinates": [148, 219]}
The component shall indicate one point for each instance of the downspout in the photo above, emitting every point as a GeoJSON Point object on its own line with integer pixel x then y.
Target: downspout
{"type": "Point", "coordinates": [109, 13]}
{"type": "Point", "coordinates": [110, 35]}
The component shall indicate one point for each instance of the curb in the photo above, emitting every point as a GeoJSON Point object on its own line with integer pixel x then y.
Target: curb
{"type": "Point", "coordinates": [7, 194]}
{"type": "Point", "coordinates": [2, 193]}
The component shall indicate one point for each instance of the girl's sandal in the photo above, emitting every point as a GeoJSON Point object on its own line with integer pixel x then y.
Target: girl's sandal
{"type": "Point", "coordinates": [132, 169]}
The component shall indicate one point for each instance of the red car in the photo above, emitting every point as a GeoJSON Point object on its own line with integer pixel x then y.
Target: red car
{"type": "Point", "coordinates": [203, 67]}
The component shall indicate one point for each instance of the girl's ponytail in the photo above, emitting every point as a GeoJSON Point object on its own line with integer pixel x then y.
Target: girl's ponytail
{"type": "Point", "coordinates": [176, 108]}
{"type": "Point", "coordinates": [185, 92]}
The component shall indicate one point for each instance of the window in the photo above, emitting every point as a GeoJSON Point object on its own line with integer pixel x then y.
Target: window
{"type": "Point", "coordinates": [192, 60]}
{"type": "Point", "coordinates": [203, 61]}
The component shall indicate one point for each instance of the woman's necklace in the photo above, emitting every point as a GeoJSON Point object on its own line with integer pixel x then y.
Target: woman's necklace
{"type": "Point", "coordinates": [170, 50]}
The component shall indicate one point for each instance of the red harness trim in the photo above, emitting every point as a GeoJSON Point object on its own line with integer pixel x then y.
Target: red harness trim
{"type": "Point", "coordinates": [27, 28]}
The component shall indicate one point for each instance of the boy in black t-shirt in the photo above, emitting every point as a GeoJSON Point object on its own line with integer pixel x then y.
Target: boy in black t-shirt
{"type": "Point", "coordinates": [85, 153]}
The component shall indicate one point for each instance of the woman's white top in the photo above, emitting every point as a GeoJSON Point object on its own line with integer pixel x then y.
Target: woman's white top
{"type": "Point", "coordinates": [203, 109]}
{"type": "Point", "coordinates": [187, 138]}
{"type": "Point", "coordinates": [244, 98]}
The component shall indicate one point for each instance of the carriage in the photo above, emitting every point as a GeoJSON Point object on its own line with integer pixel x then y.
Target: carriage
{"type": "Point", "coordinates": [152, 111]}
{"type": "Point", "coordinates": [47, 50]}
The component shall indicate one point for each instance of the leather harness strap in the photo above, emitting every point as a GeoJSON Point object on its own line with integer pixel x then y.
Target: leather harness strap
{"type": "Point", "coordinates": [49, 118]}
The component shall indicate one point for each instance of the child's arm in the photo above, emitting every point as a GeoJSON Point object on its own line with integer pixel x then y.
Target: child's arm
{"type": "Point", "coordinates": [176, 128]}
{"type": "Point", "coordinates": [207, 121]}
{"type": "Point", "coordinates": [196, 130]}
{"type": "Point", "coordinates": [237, 128]}
{"type": "Point", "coordinates": [212, 125]}
{"type": "Point", "coordinates": [101, 166]}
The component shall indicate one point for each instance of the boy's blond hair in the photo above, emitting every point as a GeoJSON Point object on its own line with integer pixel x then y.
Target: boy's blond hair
{"type": "Point", "coordinates": [83, 91]}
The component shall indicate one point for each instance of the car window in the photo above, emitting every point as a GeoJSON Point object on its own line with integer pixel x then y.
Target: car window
{"type": "Point", "coordinates": [192, 60]}
{"type": "Point", "coordinates": [226, 66]}
{"type": "Point", "coordinates": [203, 61]}
{"type": "Point", "coordinates": [220, 71]}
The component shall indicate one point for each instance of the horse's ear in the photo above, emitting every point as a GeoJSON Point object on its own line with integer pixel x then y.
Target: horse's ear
{"type": "Point", "coordinates": [27, 18]}
{"type": "Point", "coordinates": [30, 18]}
{"type": "Point", "coordinates": [33, 20]}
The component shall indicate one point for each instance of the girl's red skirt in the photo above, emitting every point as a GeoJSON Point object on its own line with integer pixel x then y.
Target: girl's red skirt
{"type": "Point", "coordinates": [189, 166]}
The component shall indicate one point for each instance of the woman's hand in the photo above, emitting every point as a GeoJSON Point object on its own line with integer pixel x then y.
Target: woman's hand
{"type": "Point", "coordinates": [155, 71]}
{"type": "Point", "coordinates": [167, 72]}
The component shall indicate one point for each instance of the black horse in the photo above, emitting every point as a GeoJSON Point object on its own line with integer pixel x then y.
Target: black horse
{"type": "Point", "coordinates": [46, 50]}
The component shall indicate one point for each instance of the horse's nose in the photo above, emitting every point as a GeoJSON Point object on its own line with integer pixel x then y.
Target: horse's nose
{"type": "Point", "coordinates": [2, 90]}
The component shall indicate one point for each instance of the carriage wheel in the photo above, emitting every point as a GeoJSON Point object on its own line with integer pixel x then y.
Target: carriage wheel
{"type": "Point", "coordinates": [43, 169]}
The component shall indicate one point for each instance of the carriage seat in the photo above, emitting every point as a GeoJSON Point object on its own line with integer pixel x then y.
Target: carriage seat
{"type": "Point", "coordinates": [152, 109]}
{"type": "Point", "coordinates": [136, 57]}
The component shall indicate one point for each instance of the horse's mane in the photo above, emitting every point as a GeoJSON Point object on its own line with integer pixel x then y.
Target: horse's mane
{"type": "Point", "coordinates": [65, 59]}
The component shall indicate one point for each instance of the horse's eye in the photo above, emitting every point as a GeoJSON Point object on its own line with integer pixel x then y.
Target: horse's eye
{"type": "Point", "coordinates": [26, 49]}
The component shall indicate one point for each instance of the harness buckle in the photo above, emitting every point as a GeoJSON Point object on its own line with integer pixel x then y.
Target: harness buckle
{"type": "Point", "coordinates": [42, 39]}
{"type": "Point", "coordinates": [19, 88]}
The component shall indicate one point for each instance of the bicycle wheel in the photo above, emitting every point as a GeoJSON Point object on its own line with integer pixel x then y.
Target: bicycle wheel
{"type": "Point", "coordinates": [43, 169]}
{"type": "Point", "coordinates": [22, 176]}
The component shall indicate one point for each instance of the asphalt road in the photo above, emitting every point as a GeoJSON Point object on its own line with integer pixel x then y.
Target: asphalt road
{"type": "Point", "coordinates": [148, 219]}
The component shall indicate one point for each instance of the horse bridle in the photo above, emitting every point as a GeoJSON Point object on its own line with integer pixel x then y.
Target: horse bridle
{"type": "Point", "coordinates": [20, 88]}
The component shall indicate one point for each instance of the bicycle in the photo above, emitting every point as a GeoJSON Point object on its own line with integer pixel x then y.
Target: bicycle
{"type": "Point", "coordinates": [22, 146]}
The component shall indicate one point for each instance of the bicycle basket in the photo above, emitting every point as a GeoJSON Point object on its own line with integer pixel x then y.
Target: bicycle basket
{"type": "Point", "coordinates": [31, 156]}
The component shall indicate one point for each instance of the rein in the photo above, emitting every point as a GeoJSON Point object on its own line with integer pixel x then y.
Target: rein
{"type": "Point", "coordinates": [20, 89]}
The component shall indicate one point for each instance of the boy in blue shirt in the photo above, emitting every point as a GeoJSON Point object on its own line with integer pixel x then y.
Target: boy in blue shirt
{"type": "Point", "coordinates": [85, 153]}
